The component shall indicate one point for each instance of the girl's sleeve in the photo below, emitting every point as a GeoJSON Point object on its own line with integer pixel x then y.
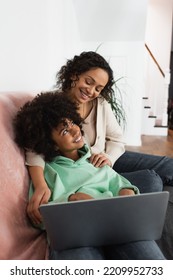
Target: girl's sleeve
{"type": "Point", "coordinates": [33, 159]}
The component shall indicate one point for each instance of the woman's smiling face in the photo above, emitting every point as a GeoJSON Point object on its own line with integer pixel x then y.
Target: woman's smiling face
{"type": "Point", "coordinates": [89, 85]}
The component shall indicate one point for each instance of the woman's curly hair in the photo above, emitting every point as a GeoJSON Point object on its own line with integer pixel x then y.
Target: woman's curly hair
{"type": "Point", "coordinates": [81, 64]}
{"type": "Point", "coordinates": [35, 121]}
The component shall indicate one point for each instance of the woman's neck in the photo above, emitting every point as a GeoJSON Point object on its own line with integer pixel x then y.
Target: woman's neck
{"type": "Point", "coordinates": [85, 109]}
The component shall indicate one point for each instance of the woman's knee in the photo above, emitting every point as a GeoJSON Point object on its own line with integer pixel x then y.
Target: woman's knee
{"type": "Point", "coordinates": [146, 180]}
{"type": "Point", "coordinates": [153, 182]}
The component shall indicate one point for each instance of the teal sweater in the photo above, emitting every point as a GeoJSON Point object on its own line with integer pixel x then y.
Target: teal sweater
{"type": "Point", "coordinates": [65, 176]}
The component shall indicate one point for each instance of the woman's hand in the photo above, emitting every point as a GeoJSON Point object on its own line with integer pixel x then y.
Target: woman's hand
{"type": "Point", "coordinates": [99, 160]}
{"type": "Point", "coordinates": [41, 193]}
{"type": "Point", "coordinates": [41, 196]}
{"type": "Point", "coordinates": [79, 196]}
{"type": "Point", "coordinates": [126, 192]}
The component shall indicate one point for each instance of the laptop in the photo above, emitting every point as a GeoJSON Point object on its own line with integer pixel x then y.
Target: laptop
{"type": "Point", "coordinates": [101, 222]}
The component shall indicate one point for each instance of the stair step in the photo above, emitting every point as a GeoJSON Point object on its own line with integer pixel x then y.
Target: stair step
{"type": "Point", "coordinates": [157, 131]}
{"type": "Point", "coordinates": [151, 125]}
{"type": "Point", "coordinates": [147, 107]}
{"type": "Point", "coordinates": [161, 126]}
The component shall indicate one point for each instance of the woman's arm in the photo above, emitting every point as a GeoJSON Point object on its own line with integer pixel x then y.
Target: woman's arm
{"type": "Point", "coordinates": [42, 192]}
{"type": "Point", "coordinates": [40, 196]}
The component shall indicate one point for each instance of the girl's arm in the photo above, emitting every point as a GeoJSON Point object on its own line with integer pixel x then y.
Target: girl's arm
{"type": "Point", "coordinates": [79, 196]}
{"type": "Point", "coordinates": [126, 192]}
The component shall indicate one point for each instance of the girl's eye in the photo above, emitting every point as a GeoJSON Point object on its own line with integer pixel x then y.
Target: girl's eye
{"type": "Point", "coordinates": [65, 131]}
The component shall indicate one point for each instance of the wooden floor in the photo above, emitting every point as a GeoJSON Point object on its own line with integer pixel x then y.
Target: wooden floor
{"type": "Point", "coordinates": [157, 145]}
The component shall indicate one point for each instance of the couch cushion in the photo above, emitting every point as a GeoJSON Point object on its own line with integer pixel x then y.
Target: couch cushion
{"type": "Point", "coordinates": [19, 240]}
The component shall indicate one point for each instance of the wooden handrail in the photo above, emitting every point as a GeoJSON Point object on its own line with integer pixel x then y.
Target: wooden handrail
{"type": "Point", "coordinates": [160, 69]}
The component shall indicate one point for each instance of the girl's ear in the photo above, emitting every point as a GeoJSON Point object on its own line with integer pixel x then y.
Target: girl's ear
{"type": "Point", "coordinates": [57, 150]}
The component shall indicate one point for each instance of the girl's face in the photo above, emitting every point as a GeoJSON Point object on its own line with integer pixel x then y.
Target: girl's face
{"type": "Point", "coordinates": [89, 85]}
{"type": "Point", "coordinates": [68, 137]}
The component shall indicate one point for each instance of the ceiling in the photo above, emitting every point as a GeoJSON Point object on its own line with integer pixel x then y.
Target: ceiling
{"type": "Point", "coordinates": [111, 20]}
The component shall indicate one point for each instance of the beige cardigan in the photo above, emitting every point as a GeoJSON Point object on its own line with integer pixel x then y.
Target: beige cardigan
{"type": "Point", "coordinates": [109, 138]}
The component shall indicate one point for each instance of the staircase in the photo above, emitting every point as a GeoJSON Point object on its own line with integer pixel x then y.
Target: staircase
{"type": "Point", "coordinates": [151, 125]}
{"type": "Point", "coordinates": [155, 104]}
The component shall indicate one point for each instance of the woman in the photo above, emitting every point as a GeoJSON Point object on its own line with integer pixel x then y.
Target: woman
{"type": "Point", "coordinates": [88, 80]}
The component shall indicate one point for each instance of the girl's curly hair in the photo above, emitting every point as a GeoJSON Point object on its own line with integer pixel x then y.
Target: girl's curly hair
{"type": "Point", "coordinates": [35, 121]}
{"type": "Point", "coordinates": [81, 64]}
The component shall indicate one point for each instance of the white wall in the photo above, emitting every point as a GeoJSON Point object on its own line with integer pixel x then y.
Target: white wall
{"type": "Point", "coordinates": [158, 30]}
{"type": "Point", "coordinates": [111, 20]}
{"type": "Point", "coordinates": [32, 43]}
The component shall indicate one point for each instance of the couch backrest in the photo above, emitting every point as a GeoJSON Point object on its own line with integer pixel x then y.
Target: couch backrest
{"type": "Point", "coordinates": [18, 238]}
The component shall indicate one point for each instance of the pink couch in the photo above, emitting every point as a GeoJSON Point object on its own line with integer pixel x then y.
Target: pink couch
{"type": "Point", "coordinates": [18, 239]}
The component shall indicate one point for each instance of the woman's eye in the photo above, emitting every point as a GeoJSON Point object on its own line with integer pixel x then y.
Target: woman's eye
{"type": "Point", "coordinates": [88, 82]}
{"type": "Point", "coordinates": [98, 89]}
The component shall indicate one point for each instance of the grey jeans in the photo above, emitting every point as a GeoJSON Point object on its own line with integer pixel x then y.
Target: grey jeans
{"type": "Point", "coordinates": [141, 250]}
{"type": "Point", "coordinates": [148, 172]}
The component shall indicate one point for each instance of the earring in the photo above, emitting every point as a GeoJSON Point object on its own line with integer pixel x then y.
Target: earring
{"type": "Point", "coordinates": [56, 148]}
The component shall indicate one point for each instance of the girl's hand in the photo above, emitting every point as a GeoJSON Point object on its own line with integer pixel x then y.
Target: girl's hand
{"type": "Point", "coordinates": [41, 196]}
{"type": "Point", "coordinates": [126, 192]}
{"type": "Point", "coordinates": [79, 196]}
{"type": "Point", "coordinates": [99, 160]}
